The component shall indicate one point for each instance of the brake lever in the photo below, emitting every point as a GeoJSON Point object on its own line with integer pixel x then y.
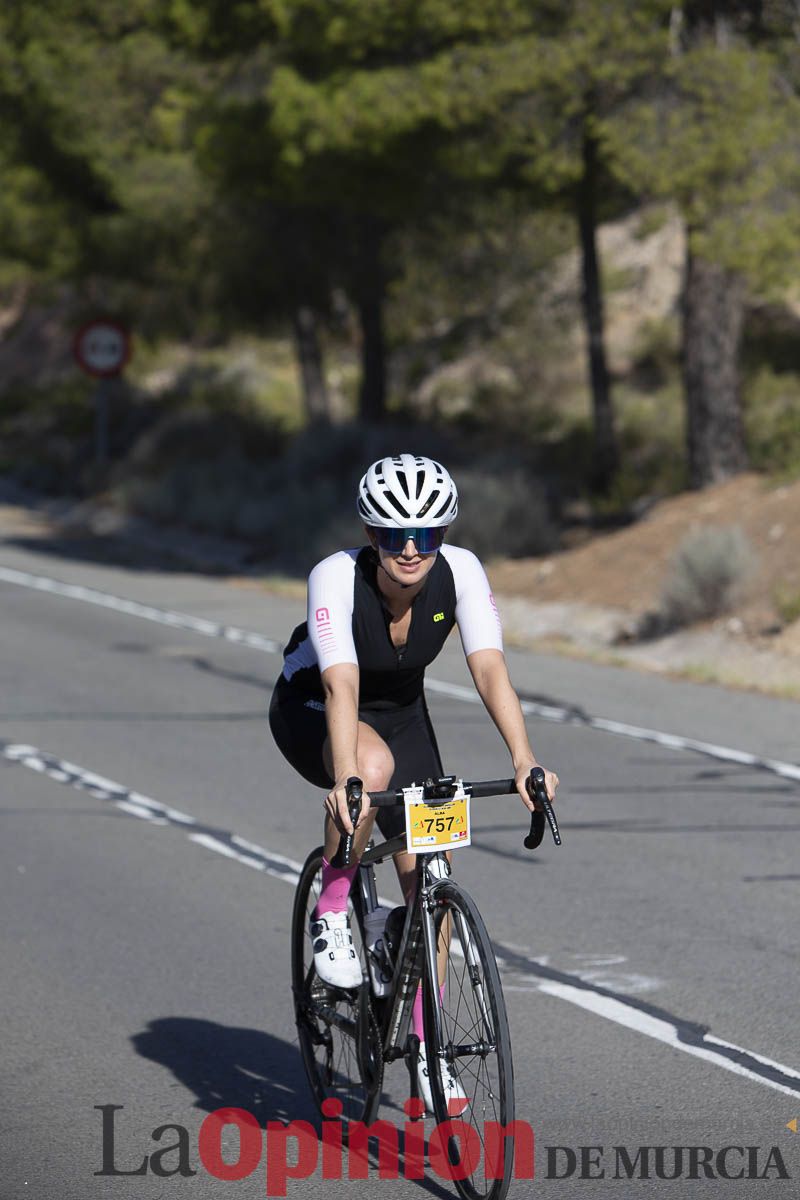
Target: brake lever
{"type": "Point", "coordinates": [538, 816]}
{"type": "Point", "coordinates": [355, 790]}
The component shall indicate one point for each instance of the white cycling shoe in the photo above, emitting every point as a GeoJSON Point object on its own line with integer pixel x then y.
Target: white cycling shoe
{"type": "Point", "coordinates": [452, 1088]}
{"type": "Point", "coordinates": [335, 959]}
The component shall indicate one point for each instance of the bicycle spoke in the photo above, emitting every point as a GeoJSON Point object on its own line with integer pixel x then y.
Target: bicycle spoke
{"type": "Point", "coordinates": [475, 1039]}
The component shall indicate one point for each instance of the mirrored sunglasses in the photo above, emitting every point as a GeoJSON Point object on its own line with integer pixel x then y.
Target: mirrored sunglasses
{"type": "Point", "coordinates": [393, 540]}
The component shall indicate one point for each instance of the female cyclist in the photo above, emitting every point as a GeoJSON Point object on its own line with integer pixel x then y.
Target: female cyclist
{"type": "Point", "coordinates": [350, 699]}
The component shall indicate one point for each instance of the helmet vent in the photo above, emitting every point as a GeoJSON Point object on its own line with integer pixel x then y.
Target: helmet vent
{"type": "Point", "coordinates": [443, 508]}
{"type": "Point", "coordinates": [429, 503]}
{"type": "Point", "coordinates": [378, 507]}
{"type": "Point", "coordinates": [396, 504]}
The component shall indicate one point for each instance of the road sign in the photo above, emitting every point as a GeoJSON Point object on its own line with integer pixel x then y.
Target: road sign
{"type": "Point", "coordinates": [102, 348]}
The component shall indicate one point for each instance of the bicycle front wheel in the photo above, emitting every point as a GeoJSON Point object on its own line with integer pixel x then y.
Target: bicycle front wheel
{"type": "Point", "coordinates": [471, 1066]}
{"type": "Point", "coordinates": [337, 1031]}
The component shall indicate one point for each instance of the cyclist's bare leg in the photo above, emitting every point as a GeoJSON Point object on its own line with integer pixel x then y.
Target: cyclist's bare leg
{"type": "Point", "coordinates": [375, 768]}
{"type": "Point", "coordinates": [406, 866]}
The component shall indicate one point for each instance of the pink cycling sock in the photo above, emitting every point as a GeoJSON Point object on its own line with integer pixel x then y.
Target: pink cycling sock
{"type": "Point", "coordinates": [336, 883]}
{"type": "Point", "coordinates": [416, 1012]}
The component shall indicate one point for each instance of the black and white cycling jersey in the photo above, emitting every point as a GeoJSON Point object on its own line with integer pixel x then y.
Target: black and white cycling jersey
{"type": "Point", "coordinates": [347, 622]}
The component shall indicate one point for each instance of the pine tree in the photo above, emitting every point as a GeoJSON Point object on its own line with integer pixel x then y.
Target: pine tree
{"type": "Point", "coordinates": [99, 183]}
{"type": "Point", "coordinates": [413, 98]}
{"type": "Point", "coordinates": [719, 135]}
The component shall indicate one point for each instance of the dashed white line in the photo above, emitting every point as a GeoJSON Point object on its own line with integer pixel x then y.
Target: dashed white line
{"type": "Point", "coordinates": [592, 997]}
{"type": "Point", "coordinates": [213, 843]}
{"type": "Point", "coordinates": [672, 741]}
{"type": "Point", "coordinates": [87, 781]}
{"type": "Point", "coordinates": [711, 1049]}
{"type": "Point", "coordinates": [137, 810]}
{"type": "Point", "coordinates": [666, 1032]}
{"type": "Point", "coordinates": [257, 641]}
{"type": "Point", "coordinates": [146, 612]}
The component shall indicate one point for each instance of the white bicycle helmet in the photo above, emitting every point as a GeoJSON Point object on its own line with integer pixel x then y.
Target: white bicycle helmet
{"type": "Point", "coordinates": [404, 491]}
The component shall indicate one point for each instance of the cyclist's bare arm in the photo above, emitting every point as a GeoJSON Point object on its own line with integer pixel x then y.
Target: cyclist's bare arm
{"type": "Point", "coordinates": [340, 685]}
{"type": "Point", "coordinates": [490, 675]}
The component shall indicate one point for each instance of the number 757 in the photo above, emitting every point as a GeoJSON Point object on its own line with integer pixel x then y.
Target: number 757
{"type": "Point", "coordinates": [438, 824]}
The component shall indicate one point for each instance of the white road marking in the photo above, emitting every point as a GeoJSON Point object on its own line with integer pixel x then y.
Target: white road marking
{"type": "Point", "coordinates": [591, 968]}
{"type": "Point", "coordinates": [257, 641]}
{"type": "Point", "coordinates": [589, 996]}
{"type": "Point", "coordinates": [132, 608]}
{"type": "Point", "coordinates": [664, 1031]}
{"type": "Point", "coordinates": [594, 968]}
{"type": "Point", "coordinates": [212, 843]}
{"type": "Point", "coordinates": [672, 741]}
{"type": "Point", "coordinates": [87, 781]}
{"type": "Point", "coordinates": [138, 810]}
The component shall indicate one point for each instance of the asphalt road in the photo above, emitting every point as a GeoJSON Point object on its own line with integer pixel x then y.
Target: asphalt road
{"type": "Point", "coordinates": [145, 965]}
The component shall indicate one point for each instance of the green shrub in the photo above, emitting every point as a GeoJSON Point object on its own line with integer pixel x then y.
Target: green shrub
{"type": "Point", "coordinates": [657, 353]}
{"type": "Point", "coordinates": [503, 511]}
{"type": "Point", "coordinates": [772, 421]}
{"type": "Point", "coordinates": [652, 218]}
{"type": "Point", "coordinates": [787, 603]}
{"type": "Point", "coordinates": [294, 498]}
{"type": "Point", "coordinates": [706, 575]}
{"type": "Point", "coordinates": [46, 435]}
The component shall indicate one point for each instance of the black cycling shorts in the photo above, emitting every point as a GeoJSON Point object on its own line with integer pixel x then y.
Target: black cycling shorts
{"type": "Point", "coordinates": [300, 729]}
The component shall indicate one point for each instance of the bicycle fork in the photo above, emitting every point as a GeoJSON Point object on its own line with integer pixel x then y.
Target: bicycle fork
{"type": "Point", "coordinates": [474, 972]}
{"type": "Point", "coordinates": [447, 1049]}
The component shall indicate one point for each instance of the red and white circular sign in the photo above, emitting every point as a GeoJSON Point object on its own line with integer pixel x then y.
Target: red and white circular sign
{"type": "Point", "coordinates": [102, 348]}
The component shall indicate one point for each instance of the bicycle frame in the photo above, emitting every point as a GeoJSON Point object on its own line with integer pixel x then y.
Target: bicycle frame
{"type": "Point", "coordinates": [463, 1052]}
{"type": "Point", "coordinates": [418, 943]}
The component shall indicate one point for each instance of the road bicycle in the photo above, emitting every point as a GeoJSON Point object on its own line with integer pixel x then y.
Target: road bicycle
{"type": "Point", "coordinates": [440, 940]}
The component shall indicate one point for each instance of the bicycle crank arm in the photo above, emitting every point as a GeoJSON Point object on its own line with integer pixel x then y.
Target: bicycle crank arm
{"type": "Point", "coordinates": [330, 1016]}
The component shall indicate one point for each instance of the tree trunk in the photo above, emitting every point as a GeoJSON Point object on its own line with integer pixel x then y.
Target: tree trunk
{"type": "Point", "coordinates": [713, 313]}
{"type": "Point", "coordinates": [309, 356]}
{"type": "Point", "coordinates": [370, 294]}
{"type": "Point", "coordinates": [606, 449]}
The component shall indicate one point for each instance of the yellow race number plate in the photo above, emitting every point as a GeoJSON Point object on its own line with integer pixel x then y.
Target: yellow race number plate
{"type": "Point", "coordinates": [431, 827]}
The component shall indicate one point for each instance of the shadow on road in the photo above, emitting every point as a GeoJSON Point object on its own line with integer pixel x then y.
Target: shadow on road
{"type": "Point", "coordinates": [230, 1067]}
{"type": "Point", "coordinates": [201, 663]}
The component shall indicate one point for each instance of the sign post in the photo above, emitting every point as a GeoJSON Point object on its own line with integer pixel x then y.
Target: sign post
{"type": "Point", "coordinates": [102, 348]}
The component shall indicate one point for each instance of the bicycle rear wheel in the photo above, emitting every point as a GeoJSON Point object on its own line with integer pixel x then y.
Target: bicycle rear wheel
{"type": "Point", "coordinates": [476, 1045]}
{"type": "Point", "coordinates": [337, 1030]}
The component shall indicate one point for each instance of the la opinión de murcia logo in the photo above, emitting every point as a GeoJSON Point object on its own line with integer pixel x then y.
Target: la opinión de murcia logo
{"type": "Point", "coordinates": [294, 1150]}
{"type": "Point", "coordinates": [665, 1162]}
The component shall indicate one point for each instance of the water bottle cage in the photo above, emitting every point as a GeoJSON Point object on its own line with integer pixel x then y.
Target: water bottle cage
{"type": "Point", "coordinates": [382, 968]}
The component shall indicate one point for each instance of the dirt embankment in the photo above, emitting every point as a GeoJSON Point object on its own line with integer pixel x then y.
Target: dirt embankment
{"type": "Point", "coordinates": [591, 599]}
